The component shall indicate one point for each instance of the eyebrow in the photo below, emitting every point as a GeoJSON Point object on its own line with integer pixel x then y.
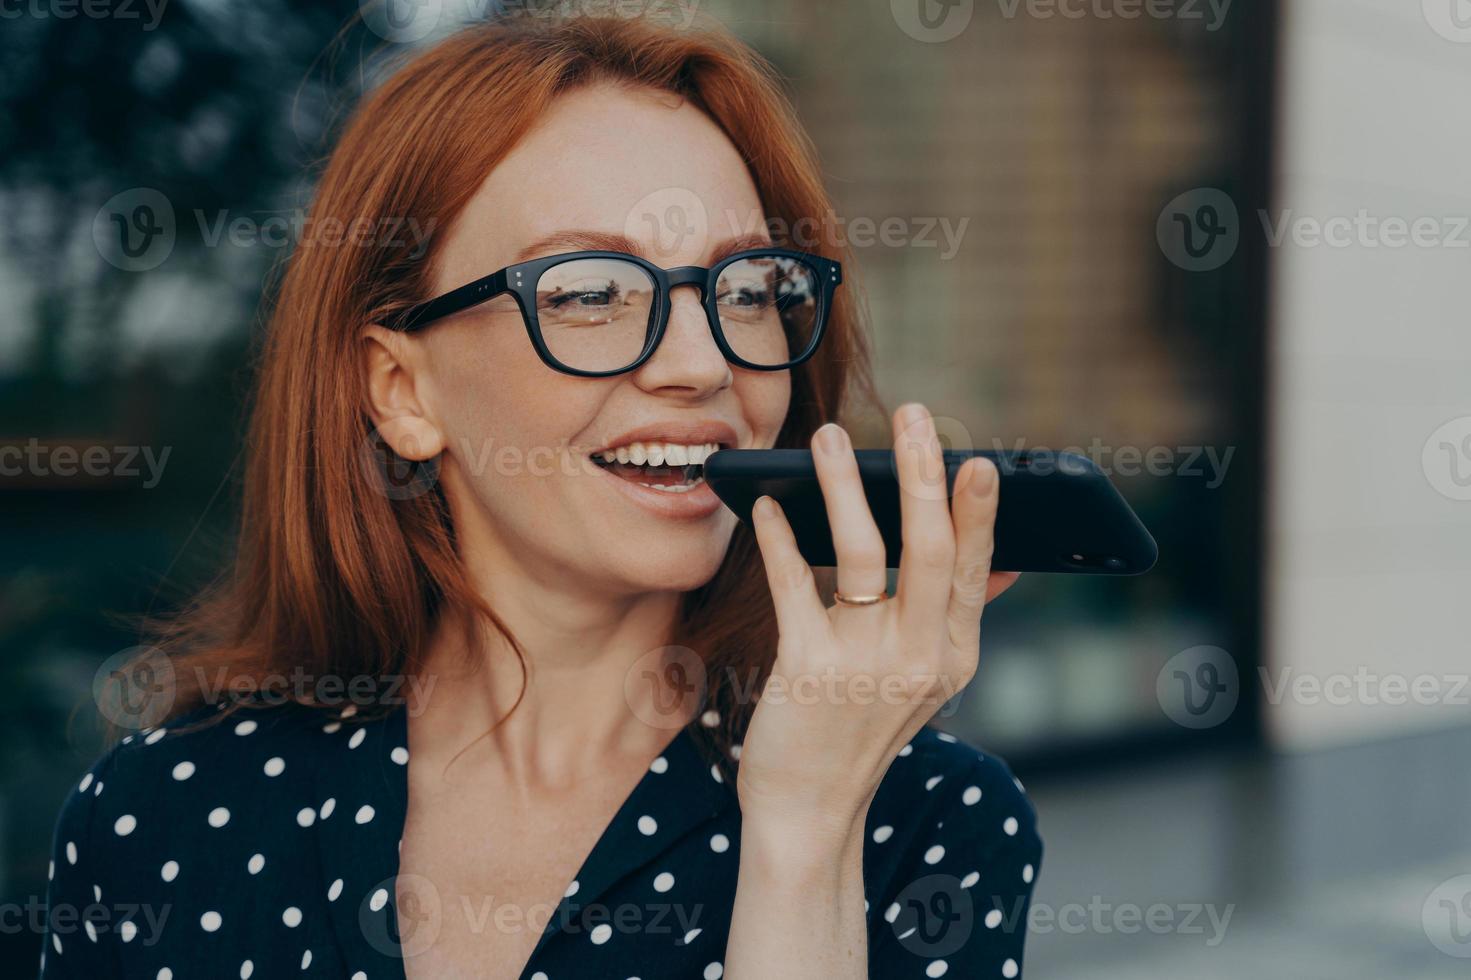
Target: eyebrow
{"type": "Point", "coordinates": [576, 240]}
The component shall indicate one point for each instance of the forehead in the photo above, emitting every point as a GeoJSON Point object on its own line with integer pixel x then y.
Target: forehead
{"type": "Point", "coordinates": [611, 159]}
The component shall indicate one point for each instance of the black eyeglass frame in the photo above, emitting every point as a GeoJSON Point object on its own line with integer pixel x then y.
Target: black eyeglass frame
{"type": "Point", "coordinates": [520, 281]}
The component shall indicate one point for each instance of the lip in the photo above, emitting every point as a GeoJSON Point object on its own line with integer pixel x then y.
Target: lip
{"type": "Point", "coordinates": [695, 504]}
{"type": "Point", "coordinates": [684, 433]}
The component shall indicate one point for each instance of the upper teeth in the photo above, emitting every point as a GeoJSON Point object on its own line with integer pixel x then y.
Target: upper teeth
{"type": "Point", "coordinates": [660, 454]}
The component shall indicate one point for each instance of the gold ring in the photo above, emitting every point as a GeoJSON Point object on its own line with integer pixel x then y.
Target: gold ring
{"type": "Point", "coordinates": [861, 600]}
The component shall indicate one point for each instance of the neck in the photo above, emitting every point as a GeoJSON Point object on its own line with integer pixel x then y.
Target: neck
{"type": "Point", "coordinates": [574, 707]}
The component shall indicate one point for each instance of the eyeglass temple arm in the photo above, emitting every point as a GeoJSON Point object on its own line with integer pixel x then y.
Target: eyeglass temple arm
{"type": "Point", "coordinates": [452, 302]}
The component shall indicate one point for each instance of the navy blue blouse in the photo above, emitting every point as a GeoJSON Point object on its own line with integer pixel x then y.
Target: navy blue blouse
{"type": "Point", "coordinates": [267, 845]}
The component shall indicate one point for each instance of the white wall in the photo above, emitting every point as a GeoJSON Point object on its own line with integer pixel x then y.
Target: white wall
{"type": "Point", "coordinates": [1369, 565]}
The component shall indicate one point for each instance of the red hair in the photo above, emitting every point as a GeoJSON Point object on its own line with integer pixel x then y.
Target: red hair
{"type": "Point", "coordinates": [335, 577]}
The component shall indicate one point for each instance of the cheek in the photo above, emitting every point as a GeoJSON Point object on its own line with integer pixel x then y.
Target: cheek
{"type": "Point", "coordinates": [764, 397]}
{"type": "Point", "coordinates": [497, 403]}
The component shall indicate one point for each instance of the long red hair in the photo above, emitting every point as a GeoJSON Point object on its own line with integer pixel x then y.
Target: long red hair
{"type": "Point", "coordinates": [335, 577]}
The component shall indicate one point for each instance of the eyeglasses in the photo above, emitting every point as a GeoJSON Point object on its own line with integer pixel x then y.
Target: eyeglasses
{"type": "Point", "coordinates": [596, 314]}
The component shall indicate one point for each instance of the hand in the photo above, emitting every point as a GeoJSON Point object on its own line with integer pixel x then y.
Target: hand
{"type": "Point", "coordinates": [851, 685]}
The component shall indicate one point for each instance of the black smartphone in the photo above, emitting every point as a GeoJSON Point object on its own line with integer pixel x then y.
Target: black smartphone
{"type": "Point", "coordinates": [1058, 511]}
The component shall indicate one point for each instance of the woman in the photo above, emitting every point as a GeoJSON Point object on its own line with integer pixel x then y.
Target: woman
{"type": "Point", "coordinates": [500, 718]}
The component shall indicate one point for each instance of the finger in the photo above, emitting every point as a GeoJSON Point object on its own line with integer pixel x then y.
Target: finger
{"type": "Point", "coordinates": [999, 583]}
{"type": "Point", "coordinates": [928, 560]}
{"type": "Point", "coordinates": [977, 495]}
{"type": "Point", "coordinates": [862, 566]}
{"type": "Point", "coordinates": [788, 575]}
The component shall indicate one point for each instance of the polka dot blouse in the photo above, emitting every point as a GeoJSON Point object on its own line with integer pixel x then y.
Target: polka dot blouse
{"type": "Point", "coordinates": [267, 846]}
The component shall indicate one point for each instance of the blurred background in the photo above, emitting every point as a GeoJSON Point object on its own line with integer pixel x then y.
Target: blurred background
{"type": "Point", "coordinates": [1220, 247]}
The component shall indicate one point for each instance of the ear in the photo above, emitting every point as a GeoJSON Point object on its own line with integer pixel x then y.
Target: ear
{"type": "Point", "coordinates": [394, 368]}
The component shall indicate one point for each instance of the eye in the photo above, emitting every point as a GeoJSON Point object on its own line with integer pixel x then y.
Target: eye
{"type": "Point", "coordinates": [746, 294]}
{"type": "Point", "coordinates": [585, 293]}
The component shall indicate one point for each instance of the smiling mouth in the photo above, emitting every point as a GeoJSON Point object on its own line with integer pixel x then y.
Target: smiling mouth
{"type": "Point", "coordinates": [669, 467]}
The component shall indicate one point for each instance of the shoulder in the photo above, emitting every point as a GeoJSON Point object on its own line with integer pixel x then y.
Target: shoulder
{"type": "Point", "coordinates": [167, 791]}
{"type": "Point", "coordinates": [942, 799]}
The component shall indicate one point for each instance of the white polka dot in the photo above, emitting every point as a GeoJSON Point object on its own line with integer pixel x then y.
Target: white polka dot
{"type": "Point", "coordinates": [714, 971]}
{"type": "Point", "coordinates": [710, 719]}
{"type": "Point", "coordinates": [891, 913]}
{"type": "Point", "coordinates": [357, 738]}
{"type": "Point", "coordinates": [210, 921]}
{"type": "Point", "coordinates": [90, 930]}
{"type": "Point", "coordinates": [246, 969]}
{"type": "Point", "coordinates": [906, 751]}
{"type": "Point", "coordinates": [169, 871]}
{"type": "Point", "coordinates": [970, 879]}
{"type": "Point", "coordinates": [97, 790]}
{"type": "Point", "coordinates": [183, 770]}
{"type": "Point", "coordinates": [932, 782]}
{"type": "Point", "coordinates": [127, 930]}
{"type": "Point", "coordinates": [245, 727]}
{"type": "Point", "coordinates": [1009, 826]}
{"type": "Point", "coordinates": [348, 711]}
{"type": "Point", "coordinates": [71, 853]}
{"type": "Point", "coordinates": [155, 736]}
{"type": "Point", "coordinates": [50, 870]}
{"type": "Point", "coordinates": [165, 974]}
{"type": "Point", "coordinates": [125, 825]}
{"type": "Point", "coordinates": [647, 825]}
{"type": "Point", "coordinates": [993, 918]}
{"type": "Point", "coordinates": [1009, 969]}
{"type": "Point", "coordinates": [689, 937]}
{"type": "Point", "coordinates": [538, 975]}
{"type": "Point", "coordinates": [306, 816]}
{"type": "Point", "coordinates": [360, 975]}
{"type": "Point", "coordinates": [571, 889]}
{"type": "Point", "coordinates": [946, 737]}
{"type": "Point", "coordinates": [86, 781]}
{"type": "Point", "coordinates": [256, 862]}
{"type": "Point", "coordinates": [659, 765]}
{"type": "Point", "coordinates": [219, 816]}
{"type": "Point", "coordinates": [601, 934]}
{"type": "Point", "coordinates": [720, 843]}
{"type": "Point", "coordinates": [715, 774]}
{"type": "Point", "coordinates": [937, 969]}
{"type": "Point", "coordinates": [933, 855]}
{"type": "Point", "coordinates": [881, 834]}
{"type": "Point", "coordinates": [364, 814]}
{"type": "Point", "coordinates": [735, 752]}
{"type": "Point", "coordinates": [378, 900]}
{"type": "Point", "coordinates": [275, 766]}
{"type": "Point", "coordinates": [56, 942]}
{"type": "Point", "coordinates": [291, 916]}
{"type": "Point", "coordinates": [328, 806]}
{"type": "Point", "coordinates": [332, 727]}
{"type": "Point", "coordinates": [97, 892]}
{"type": "Point", "coordinates": [971, 796]}
{"type": "Point", "coordinates": [663, 882]}
{"type": "Point", "coordinates": [1027, 874]}
{"type": "Point", "coordinates": [334, 890]}
{"type": "Point", "coordinates": [306, 959]}
{"type": "Point", "coordinates": [399, 755]}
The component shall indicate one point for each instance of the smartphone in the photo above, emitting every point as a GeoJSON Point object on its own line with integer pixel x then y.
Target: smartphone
{"type": "Point", "coordinates": [1058, 511]}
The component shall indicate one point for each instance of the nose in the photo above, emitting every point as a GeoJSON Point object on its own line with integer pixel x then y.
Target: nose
{"type": "Point", "coordinates": [687, 361]}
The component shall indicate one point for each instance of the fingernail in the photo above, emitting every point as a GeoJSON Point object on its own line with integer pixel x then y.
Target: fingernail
{"type": "Point", "coordinates": [982, 478]}
{"type": "Point", "coordinates": [830, 438]}
{"type": "Point", "coordinates": [913, 413]}
{"type": "Point", "coordinates": [763, 506]}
